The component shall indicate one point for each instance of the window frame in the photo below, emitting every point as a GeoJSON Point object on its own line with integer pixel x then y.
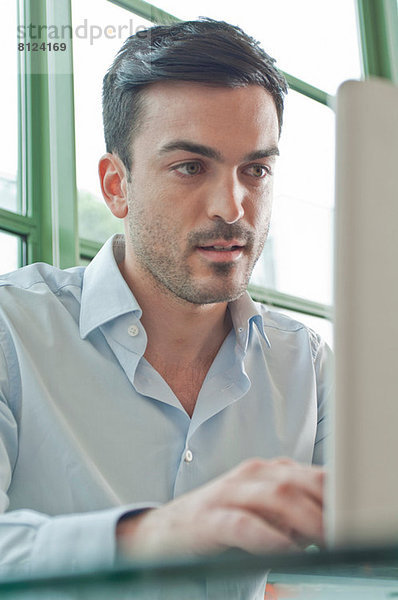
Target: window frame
{"type": "Point", "coordinates": [46, 179]}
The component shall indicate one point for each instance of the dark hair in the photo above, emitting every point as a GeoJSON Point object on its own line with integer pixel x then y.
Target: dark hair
{"type": "Point", "coordinates": [203, 51]}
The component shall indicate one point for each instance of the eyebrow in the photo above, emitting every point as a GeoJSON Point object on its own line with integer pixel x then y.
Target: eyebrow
{"type": "Point", "coordinates": [209, 152]}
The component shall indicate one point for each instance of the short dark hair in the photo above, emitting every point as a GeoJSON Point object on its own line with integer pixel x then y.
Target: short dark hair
{"type": "Point", "coordinates": [204, 51]}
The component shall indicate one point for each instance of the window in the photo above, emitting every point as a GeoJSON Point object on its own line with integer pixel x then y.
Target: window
{"type": "Point", "coordinates": [315, 41]}
{"type": "Point", "coordinates": [101, 28]}
{"type": "Point", "coordinates": [11, 248]}
{"type": "Point", "coordinates": [9, 109]}
{"type": "Point", "coordinates": [37, 172]}
{"type": "Point", "coordinates": [12, 245]}
{"type": "Point", "coordinates": [300, 246]}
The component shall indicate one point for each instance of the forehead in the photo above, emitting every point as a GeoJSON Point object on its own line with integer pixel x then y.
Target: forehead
{"type": "Point", "coordinates": [243, 118]}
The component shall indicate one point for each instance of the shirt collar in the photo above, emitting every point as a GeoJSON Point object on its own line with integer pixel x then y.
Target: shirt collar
{"type": "Point", "coordinates": [244, 312]}
{"type": "Point", "coordinates": [106, 295]}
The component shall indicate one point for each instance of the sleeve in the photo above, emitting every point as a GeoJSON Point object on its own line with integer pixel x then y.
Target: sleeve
{"type": "Point", "coordinates": [323, 364]}
{"type": "Point", "coordinates": [31, 542]}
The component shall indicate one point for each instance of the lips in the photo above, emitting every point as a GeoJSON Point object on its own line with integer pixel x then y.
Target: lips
{"type": "Point", "coordinates": [223, 245]}
{"type": "Point", "coordinates": [222, 250]}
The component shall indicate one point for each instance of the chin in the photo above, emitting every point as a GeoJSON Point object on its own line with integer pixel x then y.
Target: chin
{"type": "Point", "coordinates": [211, 295]}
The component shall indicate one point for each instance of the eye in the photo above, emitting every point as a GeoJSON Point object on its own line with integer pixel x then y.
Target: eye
{"type": "Point", "coordinates": [258, 171]}
{"type": "Point", "coordinates": [189, 168]}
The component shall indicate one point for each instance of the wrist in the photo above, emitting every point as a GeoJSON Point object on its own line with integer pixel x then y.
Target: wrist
{"type": "Point", "coordinates": [126, 533]}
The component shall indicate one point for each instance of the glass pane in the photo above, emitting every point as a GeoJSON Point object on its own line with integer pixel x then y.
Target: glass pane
{"type": "Point", "coordinates": [297, 258]}
{"type": "Point", "coordinates": [8, 189]}
{"type": "Point", "coordinates": [9, 252]}
{"type": "Point", "coordinates": [100, 29]}
{"type": "Point", "coordinates": [8, 107]}
{"type": "Point", "coordinates": [315, 41]}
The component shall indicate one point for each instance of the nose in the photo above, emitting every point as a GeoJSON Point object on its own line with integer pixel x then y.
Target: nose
{"type": "Point", "coordinates": [225, 200]}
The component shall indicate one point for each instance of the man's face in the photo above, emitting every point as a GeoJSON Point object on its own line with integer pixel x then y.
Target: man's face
{"type": "Point", "coordinates": [200, 195]}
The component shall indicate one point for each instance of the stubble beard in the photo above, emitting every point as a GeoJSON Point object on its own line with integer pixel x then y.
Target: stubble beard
{"type": "Point", "coordinates": [170, 271]}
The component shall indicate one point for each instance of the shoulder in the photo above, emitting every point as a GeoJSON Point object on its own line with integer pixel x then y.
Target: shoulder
{"type": "Point", "coordinates": [34, 300]}
{"type": "Point", "coordinates": [281, 327]}
{"type": "Point", "coordinates": [29, 293]}
{"type": "Point", "coordinates": [41, 277]}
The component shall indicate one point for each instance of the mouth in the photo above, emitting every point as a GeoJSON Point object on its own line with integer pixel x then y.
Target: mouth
{"type": "Point", "coordinates": [222, 251]}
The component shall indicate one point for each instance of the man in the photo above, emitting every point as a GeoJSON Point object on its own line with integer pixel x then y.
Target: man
{"type": "Point", "coordinates": [146, 401]}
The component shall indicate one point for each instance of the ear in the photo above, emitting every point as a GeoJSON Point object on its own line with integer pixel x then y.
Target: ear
{"type": "Point", "coordinates": [113, 179]}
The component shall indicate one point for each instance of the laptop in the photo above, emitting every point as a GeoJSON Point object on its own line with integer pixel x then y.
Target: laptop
{"type": "Point", "coordinates": [362, 499]}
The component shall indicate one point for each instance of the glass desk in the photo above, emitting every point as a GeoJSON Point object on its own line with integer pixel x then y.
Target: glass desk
{"type": "Point", "coordinates": [338, 575]}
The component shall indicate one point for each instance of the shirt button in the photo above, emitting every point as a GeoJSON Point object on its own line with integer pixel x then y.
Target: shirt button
{"type": "Point", "coordinates": [188, 456]}
{"type": "Point", "coordinates": [133, 330]}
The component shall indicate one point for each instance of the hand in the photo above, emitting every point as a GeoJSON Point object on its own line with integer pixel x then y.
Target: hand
{"type": "Point", "coordinates": [259, 506]}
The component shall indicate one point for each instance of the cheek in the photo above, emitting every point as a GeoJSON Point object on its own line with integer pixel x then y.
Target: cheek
{"type": "Point", "coordinates": [259, 210]}
{"type": "Point", "coordinates": [146, 200]}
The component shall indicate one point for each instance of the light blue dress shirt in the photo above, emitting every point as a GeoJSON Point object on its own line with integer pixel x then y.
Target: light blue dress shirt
{"type": "Point", "coordinates": [88, 429]}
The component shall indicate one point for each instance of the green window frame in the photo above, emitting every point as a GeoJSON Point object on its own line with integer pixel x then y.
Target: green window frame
{"type": "Point", "coordinates": [46, 180]}
{"type": "Point", "coordinates": [47, 195]}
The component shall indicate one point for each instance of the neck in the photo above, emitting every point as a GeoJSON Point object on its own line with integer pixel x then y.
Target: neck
{"type": "Point", "coordinates": [178, 331]}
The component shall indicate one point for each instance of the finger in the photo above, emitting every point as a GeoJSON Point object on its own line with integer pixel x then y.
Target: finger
{"type": "Point", "coordinates": [282, 496]}
{"type": "Point", "coordinates": [276, 479]}
{"type": "Point", "coordinates": [315, 483]}
{"type": "Point", "coordinates": [310, 479]}
{"type": "Point", "coordinates": [241, 529]}
{"type": "Point", "coordinates": [290, 511]}
{"type": "Point", "coordinates": [303, 520]}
